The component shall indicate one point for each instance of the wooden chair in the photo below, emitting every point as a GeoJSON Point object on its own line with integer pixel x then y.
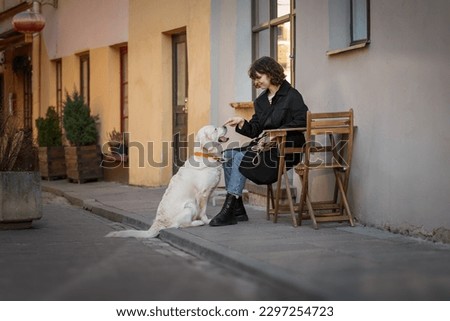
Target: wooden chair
{"type": "Point", "coordinates": [329, 145]}
{"type": "Point", "coordinates": [273, 206]}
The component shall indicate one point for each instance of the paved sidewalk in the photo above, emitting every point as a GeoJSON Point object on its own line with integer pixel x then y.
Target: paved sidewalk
{"type": "Point", "coordinates": [335, 262]}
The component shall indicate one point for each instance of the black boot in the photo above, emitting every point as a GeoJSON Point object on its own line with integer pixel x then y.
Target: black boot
{"type": "Point", "coordinates": [226, 215]}
{"type": "Point", "coordinates": [239, 210]}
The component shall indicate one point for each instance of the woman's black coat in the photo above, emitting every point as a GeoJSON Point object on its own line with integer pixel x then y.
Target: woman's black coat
{"type": "Point", "coordinates": [287, 110]}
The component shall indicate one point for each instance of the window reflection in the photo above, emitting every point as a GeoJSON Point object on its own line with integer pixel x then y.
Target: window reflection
{"type": "Point", "coordinates": [284, 48]}
{"type": "Point", "coordinates": [283, 7]}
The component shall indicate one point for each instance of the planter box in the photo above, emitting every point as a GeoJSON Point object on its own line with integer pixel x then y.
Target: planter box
{"type": "Point", "coordinates": [52, 162]}
{"type": "Point", "coordinates": [20, 199]}
{"type": "Point", "coordinates": [83, 163]}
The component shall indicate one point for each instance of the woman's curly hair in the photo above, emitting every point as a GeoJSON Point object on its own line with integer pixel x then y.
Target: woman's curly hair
{"type": "Point", "coordinates": [267, 66]}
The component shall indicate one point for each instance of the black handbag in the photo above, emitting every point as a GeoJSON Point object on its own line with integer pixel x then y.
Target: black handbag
{"type": "Point", "coordinates": [260, 162]}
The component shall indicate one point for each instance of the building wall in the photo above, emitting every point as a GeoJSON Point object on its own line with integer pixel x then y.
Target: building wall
{"type": "Point", "coordinates": [100, 32]}
{"type": "Point", "coordinates": [231, 56]}
{"type": "Point", "coordinates": [79, 25]}
{"type": "Point", "coordinates": [152, 24]}
{"type": "Point", "coordinates": [398, 88]}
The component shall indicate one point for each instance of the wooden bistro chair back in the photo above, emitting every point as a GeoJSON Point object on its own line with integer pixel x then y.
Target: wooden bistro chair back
{"type": "Point", "coordinates": [329, 145]}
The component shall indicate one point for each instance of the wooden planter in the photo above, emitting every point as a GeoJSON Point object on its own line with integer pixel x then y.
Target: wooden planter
{"type": "Point", "coordinates": [20, 199]}
{"type": "Point", "coordinates": [83, 163]}
{"type": "Point", "coordinates": [52, 162]}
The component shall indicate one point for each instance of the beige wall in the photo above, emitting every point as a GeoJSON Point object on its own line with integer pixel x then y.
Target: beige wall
{"type": "Point", "coordinates": [231, 56]}
{"type": "Point", "coordinates": [102, 30]}
{"type": "Point", "coordinates": [398, 87]}
{"type": "Point", "coordinates": [79, 25]}
{"type": "Point", "coordinates": [150, 93]}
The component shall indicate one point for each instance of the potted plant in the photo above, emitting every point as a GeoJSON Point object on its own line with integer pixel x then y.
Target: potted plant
{"type": "Point", "coordinates": [52, 162]}
{"type": "Point", "coordinates": [117, 143]}
{"type": "Point", "coordinates": [20, 181]}
{"type": "Point", "coordinates": [83, 156]}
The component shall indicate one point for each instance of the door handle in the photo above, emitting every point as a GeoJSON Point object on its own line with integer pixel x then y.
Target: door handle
{"type": "Point", "coordinates": [185, 107]}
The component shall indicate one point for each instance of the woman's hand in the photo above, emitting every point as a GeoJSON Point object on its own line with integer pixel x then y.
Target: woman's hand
{"type": "Point", "coordinates": [235, 121]}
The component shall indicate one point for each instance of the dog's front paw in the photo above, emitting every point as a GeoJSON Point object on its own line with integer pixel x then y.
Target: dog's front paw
{"type": "Point", "coordinates": [112, 234]}
{"type": "Point", "coordinates": [197, 223]}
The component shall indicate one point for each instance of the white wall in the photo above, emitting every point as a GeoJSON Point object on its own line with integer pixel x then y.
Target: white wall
{"type": "Point", "coordinates": [230, 59]}
{"type": "Point", "coordinates": [78, 25]}
{"type": "Point", "coordinates": [399, 90]}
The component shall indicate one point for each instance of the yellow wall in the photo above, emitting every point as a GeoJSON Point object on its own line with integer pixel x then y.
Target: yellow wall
{"type": "Point", "coordinates": [150, 84]}
{"type": "Point", "coordinates": [151, 26]}
{"type": "Point", "coordinates": [104, 85]}
{"type": "Point", "coordinates": [105, 89]}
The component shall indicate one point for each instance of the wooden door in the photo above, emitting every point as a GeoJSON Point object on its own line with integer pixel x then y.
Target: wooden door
{"type": "Point", "coordinates": [180, 100]}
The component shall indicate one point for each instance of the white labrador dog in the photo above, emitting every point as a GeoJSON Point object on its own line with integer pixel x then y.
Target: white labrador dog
{"type": "Point", "coordinates": [184, 202]}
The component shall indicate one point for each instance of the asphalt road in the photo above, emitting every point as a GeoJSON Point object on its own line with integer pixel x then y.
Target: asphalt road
{"type": "Point", "coordinates": [65, 256]}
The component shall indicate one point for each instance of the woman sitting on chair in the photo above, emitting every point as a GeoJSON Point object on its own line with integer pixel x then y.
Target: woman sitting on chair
{"type": "Point", "coordinates": [278, 106]}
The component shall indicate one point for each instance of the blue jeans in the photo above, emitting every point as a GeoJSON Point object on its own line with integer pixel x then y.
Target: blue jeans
{"type": "Point", "coordinates": [234, 180]}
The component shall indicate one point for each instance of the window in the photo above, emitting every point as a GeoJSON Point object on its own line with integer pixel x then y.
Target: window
{"type": "Point", "coordinates": [273, 28]}
{"type": "Point", "coordinates": [349, 24]}
{"type": "Point", "coordinates": [84, 78]}
{"type": "Point", "coordinates": [59, 90]}
{"type": "Point", "coordinates": [124, 89]}
{"type": "Point", "coordinates": [360, 21]}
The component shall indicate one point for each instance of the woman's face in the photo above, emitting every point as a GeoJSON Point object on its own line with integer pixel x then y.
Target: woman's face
{"type": "Point", "coordinates": [261, 81]}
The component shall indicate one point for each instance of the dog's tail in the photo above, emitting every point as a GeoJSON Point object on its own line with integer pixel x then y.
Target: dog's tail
{"type": "Point", "coordinates": [152, 232]}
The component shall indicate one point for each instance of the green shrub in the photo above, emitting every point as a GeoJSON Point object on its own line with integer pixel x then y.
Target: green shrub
{"type": "Point", "coordinates": [78, 123]}
{"type": "Point", "coordinates": [49, 130]}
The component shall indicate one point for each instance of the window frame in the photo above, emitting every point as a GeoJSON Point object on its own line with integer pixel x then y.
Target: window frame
{"type": "Point", "coordinates": [354, 41]}
{"type": "Point", "coordinates": [58, 87]}
{"type": "Point", "coordinates": [123, 82]}
{"type": "Point", "coordinates": [84, 58]}
{"type": "Point", "coordinates": [272, 24]}
{"type": "Point", "coordinates": [341, 27]}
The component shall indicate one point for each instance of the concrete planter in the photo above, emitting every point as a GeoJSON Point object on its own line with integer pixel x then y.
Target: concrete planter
{"type": "Point", "coordinates": [20, 199]}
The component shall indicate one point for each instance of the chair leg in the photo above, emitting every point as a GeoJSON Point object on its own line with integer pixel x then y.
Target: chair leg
{"type": "Point", "coordinates": [281, 169]}
{"type": "Point", "coordinates": [269, 200]}
{"type": "Point", "coordinates": [301, 206]}
{"type": "Point", "coordinates": [311, 211]}
{"type": "Point", "coordinates": [344, 199]}
{"type": "Point", "coordinates": [289, 195]}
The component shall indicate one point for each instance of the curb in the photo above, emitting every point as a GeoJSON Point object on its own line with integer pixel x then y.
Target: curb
{"type": "Point", "coordinates": [111, 213]}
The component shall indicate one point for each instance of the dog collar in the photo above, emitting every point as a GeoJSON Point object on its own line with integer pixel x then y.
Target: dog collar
{"type": "Point", "coordinates": [207, 155]}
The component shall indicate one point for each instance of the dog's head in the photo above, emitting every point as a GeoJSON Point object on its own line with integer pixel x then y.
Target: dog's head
{"type": "Point", "coordinates": [209, 136]}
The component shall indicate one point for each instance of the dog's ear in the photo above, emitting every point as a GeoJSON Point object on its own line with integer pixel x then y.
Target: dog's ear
{"type": "Point", "coordinates": [204, 136]}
